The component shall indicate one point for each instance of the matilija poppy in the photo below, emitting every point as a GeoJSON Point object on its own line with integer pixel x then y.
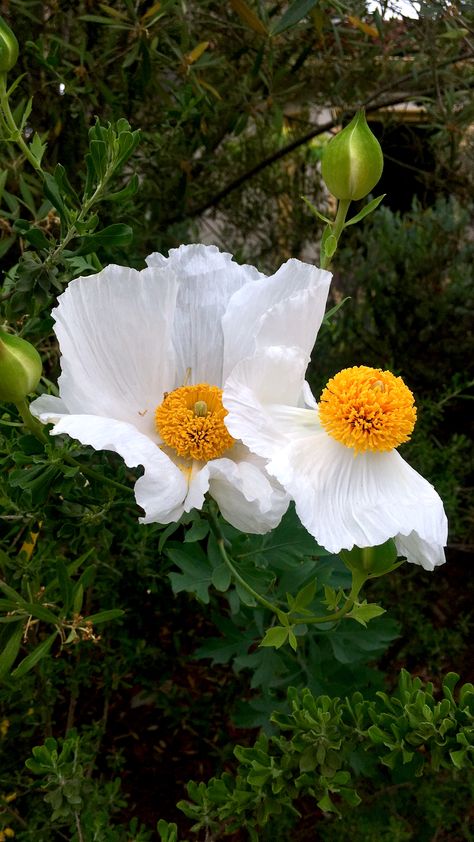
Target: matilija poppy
{"type": "Point", "coordinates": [338, 460]}
{"type": "Point", "coordinates": [144, 355]}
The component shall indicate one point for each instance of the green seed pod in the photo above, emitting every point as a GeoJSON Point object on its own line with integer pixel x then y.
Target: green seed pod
{"type": "Point", "coordinates": [353, 162]}
{"type": "Point", "coordinates": [372, 561]}
{"type": "Point", "coordinates": [8, 47]}
{"type": "Point", "coordinates": [20, 368]}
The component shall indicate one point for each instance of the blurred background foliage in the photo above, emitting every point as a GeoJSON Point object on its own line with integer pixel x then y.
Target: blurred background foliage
{"type": "Point", "coordinates": [234, 102]}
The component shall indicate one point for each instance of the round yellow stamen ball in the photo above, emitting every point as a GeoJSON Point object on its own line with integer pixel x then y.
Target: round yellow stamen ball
{"type": "Point", "coordinates": [191, 421]}
{"type": "Point", "coordinates": [367, 409]}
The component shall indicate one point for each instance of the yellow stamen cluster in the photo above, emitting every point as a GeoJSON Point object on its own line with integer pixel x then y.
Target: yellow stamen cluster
{"type": "Point", "coordinates": [367, 409]}
{"type": "Point", "coordinates": [191, 421]}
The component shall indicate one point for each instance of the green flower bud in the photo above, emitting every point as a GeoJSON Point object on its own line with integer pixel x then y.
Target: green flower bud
{"type": "Point", "coordinates": [371, 561]}
{"type": "Point", "coordinates": [20, 368]}
{"type": "Point", "coordinates": [8, 47]}
{"type": "Point", "coordinates": [353, 162]}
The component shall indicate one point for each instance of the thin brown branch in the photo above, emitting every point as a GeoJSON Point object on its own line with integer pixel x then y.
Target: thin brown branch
{"type": "Point", "coordinates": [296, 144]}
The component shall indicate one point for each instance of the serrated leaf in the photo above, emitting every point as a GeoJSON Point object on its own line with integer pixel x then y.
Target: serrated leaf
{"type": "Point", "coordinates": [364, 612]}
{"type": "Point", "coordinates": [276, 637]}
{"type": "Point", "coordinates": [196, 573]}
{"type": "Point", "coordinates": [305, 596]}
{"type": "Point", "coordinates": [34, 657]}
{"type": "Point", "coordinates": [297, 11]}
{"type": "Point", "coordinates": [198, 530]}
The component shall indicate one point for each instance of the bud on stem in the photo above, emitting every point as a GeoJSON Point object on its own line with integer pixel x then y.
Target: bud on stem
{"type": "Point", "coordinates": [20, 368]}
{"type": "Point", "coordinates": [8, 47]}
{"type": "Point", "coordinates": [353, 161]}
{"type": "Point", "coordinates": [371, 562]}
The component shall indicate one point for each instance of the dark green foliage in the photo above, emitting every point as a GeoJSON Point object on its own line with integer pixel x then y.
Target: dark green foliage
{"type": "Point", "coordinates": [323, 742]}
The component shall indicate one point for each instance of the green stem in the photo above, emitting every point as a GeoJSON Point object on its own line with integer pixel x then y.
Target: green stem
{"type": "Point", "coordinates": [215, 526]}
{"type": "Point", "coordinates": [9, 123]}
{"type": "Point", "coordinates": [32, 424]}
{"type": "Point", "coordinates": [89, 472]}
{"type": "Point", "coordinates": [72, 231]}
{"type": "Point", "coordinates": [358, 580]}
{"type": "Point", "coordinates": [337, 227]}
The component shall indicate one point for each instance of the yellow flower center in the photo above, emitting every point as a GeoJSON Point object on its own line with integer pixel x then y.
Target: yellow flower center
{"type": "Point", "coordinates": [191, 421]}
{"type": "Point", "coordinates": [367, 409]}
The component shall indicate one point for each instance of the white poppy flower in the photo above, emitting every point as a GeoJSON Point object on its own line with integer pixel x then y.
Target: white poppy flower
{"type": "Point", "coordinates": [144, 356]}
{"type": "Point", "coordinates": [338, 460]}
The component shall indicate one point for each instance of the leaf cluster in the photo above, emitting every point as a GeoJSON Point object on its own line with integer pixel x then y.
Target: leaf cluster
{"type": "Point", "coordinates": [323, 742]}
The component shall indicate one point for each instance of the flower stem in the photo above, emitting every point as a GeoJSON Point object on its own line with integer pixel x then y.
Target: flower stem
{"type": "Point", "coordinates": [9, 123]}
{"type": "Point", "coordinates": [358, 580]}
{"type": "Point", "coordinates": [337, 227]}
{"type": "Point", "coordinates": [90, 472]}
{"type": "Point", "coordinates": [216, 529]}
{"type": "Point", "coordinates": [31, 423]}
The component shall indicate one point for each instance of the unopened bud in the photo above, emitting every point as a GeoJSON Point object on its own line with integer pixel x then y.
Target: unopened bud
{"type": "Point", "coordinates": [20, 368]}
{"type": "Point", "coordinates": [8, 47]}
{"type": "Point", "coordinates": [372, 561]}
{"type": "Point", "coordinates": [353, 162]}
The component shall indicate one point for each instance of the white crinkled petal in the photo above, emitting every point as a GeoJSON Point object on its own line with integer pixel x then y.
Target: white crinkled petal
{"type": "Point", "coordinates": [343, 499]}
{"type": "Point", "coordinates": [247, 497]}
{"type": "Point", "coordinates": [162, 489]}
{"type": "Point", "coordinates": [256, 313]}
{"type": "Point", "coordinates": [114, 331]}
{"type": "Point", "coordinates": [295, 321]}
{"type": "Point", "coordinates": [271, 377]}
{"type": "Point", "coordinates": [207, 279]}
{"type": "Point", "coordinates": [420, 552]}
